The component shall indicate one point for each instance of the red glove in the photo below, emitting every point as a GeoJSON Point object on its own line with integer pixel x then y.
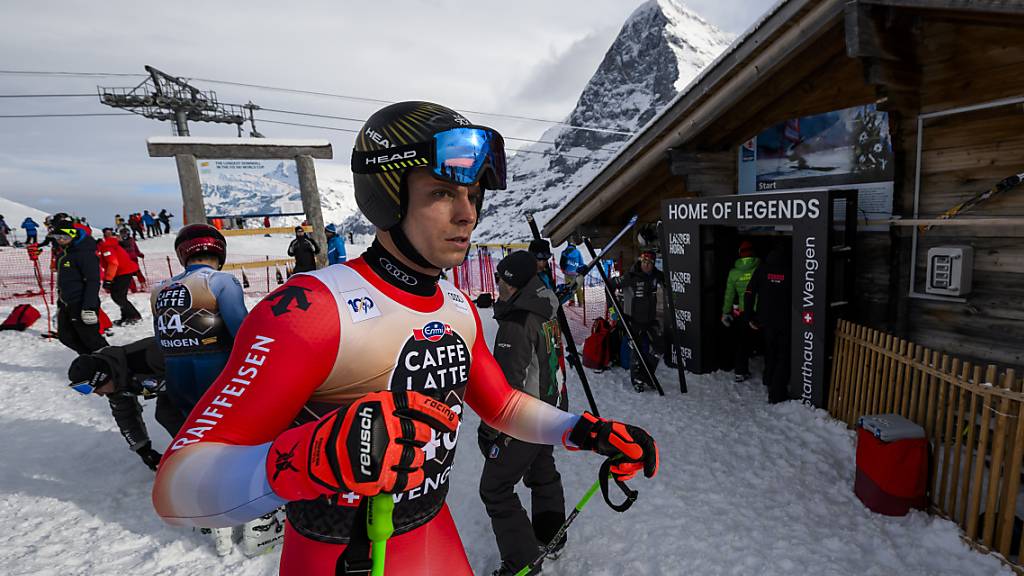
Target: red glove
{"type": "Point", "coordinates": [634, 447]}
{"type": "Point", "coordinates": [373, 445]}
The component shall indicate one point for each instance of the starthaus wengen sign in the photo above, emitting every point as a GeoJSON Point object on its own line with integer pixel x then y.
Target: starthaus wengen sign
{"type": "Point", "coordinates": [811, 216]}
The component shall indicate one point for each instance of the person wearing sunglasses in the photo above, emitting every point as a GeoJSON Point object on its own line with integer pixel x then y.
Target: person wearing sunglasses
{"type": "Point", "coordinates": [78, 286]}
{"type": "Point", "coordinates": [347, 382]}
{"type": "Point", "coordinates": [122, 374]}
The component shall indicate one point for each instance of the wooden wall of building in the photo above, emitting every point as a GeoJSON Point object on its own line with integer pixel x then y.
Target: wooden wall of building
{"type": "Point", "coordinates": [966, 63]}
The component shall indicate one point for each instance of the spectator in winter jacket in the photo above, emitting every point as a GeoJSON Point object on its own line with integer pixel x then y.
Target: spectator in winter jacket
{"type": "Point", "coordinates": [31, 230]}
{"type": "Point", "coordinates": [4, 231]}
{"type": "Point", "coordinates": [118, 271]}
{"type": "Point", "coordinates": [570, 262]}
{"type": "Point", "coordinates": [165, 219]}
{"type": "Point", "coordinates": [640, 287]}
{"type": "Point", "coordinates": [132, 248]}
{"type": "Point", "coordinates": [122, 374]}
{"type": "Point", "coordinates": [526, 349]}
{"type": "Point", "coordinates": [150, 223]}
{"type": "Point", "coordinates": [78, 286]}
{"type": "Point", "coordinates": [541, 250]}
{"type": "Point", "coordinates": [733, 308]}
{"type": "Point", "coordinates": [768, 304]}
{"type": "Point", "coordinates": [335, 246]}
{"type": "Point", "coordinates": [118, 222]}
{"type": "Point", "coordinates": [304, 249]}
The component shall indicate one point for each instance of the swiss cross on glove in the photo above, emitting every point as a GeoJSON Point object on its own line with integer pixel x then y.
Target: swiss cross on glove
{"type": "Point", "coordinates": [373, 445]}
{"type": "Point", "coordinates": [633, 446]}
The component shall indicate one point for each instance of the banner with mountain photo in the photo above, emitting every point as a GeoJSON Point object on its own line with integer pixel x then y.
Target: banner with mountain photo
{"type": "Point", "coordinates": [849, 148]}
{"type": "Point", "coordinates": [250, 188]}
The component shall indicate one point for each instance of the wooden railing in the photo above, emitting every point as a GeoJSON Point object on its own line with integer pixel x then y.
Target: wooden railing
{"type": "Point", "coordinates": [973, 416]}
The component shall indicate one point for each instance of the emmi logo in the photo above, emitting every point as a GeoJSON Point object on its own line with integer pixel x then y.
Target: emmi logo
{"type": "Point", "coordinates": [384, 159]}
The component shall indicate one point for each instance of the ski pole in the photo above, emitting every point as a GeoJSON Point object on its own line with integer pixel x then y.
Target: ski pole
{"type": "Point", "coordinates": [379, 528]}
{"type": "Point", "coordinates": [601, 483]}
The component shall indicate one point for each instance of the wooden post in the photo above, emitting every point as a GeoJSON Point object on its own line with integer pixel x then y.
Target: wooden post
{"type": "Point", "coordinates": [947, 439]}
{"type": "Point", "coordinates": [996, 466]}
{"type": "Point", "coordinates": [1004, 534]}
{"type": "Point", "coordinates": [978, 474]}
{"type": "Point", "coordinates": [311, 204]}
{"type": "Point", "coordinates": [191, 189]}
{"type": "Point", "coordinates": [970, 422]}
{"type": "Point", "coordinates": [939, 410]}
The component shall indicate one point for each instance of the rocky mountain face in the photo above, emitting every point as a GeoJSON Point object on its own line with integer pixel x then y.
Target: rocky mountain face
{"type": "Point", "coordinates": [661, 47]}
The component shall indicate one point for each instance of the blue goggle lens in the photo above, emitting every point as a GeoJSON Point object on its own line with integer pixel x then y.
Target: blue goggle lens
{"type": "Point", "coordinates": [468, 155]}
{"type": "Point", "coordinates": [84, 388]}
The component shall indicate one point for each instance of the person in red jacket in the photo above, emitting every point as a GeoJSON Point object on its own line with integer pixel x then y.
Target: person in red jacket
{"type": "Point", "coordinates": [132, 248]}
{"type": "Point", "coordinates": [118, 269]}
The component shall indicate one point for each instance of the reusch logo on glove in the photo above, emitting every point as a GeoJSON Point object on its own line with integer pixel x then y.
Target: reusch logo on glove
{"type": "Point", "coordinates": [432, 332]}
{"type": "Point", "coordinates": [365, 425]}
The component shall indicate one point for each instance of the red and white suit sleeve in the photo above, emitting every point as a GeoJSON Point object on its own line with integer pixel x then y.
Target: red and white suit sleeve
{"type": "Point", "coordinates": [507, 409]}
{"type": "Point", "coordinates": [214, 473]}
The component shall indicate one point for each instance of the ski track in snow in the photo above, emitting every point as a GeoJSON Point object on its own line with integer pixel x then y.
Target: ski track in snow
{"type": "Point", "coordinates": [744, 488]}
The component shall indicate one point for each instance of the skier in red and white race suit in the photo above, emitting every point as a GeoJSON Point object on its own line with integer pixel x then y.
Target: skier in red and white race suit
{"type": "Point", "coordinates": [348, 382]}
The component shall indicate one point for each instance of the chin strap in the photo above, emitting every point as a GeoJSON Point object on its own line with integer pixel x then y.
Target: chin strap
{"type": "Point", "coordinates": [407, 249]}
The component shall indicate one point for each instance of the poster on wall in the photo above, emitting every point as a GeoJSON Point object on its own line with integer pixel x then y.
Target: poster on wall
{"type": "Point", "coordinates": [849, 148]}
{"type": "Point", "coordinates": [250, 188]}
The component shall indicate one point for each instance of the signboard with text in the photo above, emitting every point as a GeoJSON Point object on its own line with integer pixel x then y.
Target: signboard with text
{"type": "Point", "coordinates": [810, 214]}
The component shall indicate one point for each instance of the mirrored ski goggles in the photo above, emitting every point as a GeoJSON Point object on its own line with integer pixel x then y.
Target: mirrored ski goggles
{"type": "Point", "coordinates": [83, 388]}
{"type": "Point", "coordinates": [465, 155]}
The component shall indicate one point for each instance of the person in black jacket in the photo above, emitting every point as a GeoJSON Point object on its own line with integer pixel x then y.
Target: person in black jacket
{"type": "Point", "coordinates": [304, 249]}
{"type": "Point", "coordinates": [78, 286]}
{"type": "Point", "coordinates": [640, 288]}
{"type": "Point", "coordinates": [526, 348]}
{"type": "Point", "coordinates": [770, 297]}
{"type": "Point", "coordinates": [122, 373]}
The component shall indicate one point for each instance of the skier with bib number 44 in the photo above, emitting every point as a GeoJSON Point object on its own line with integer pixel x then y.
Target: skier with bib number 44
{"type": "Point", "coordinates": [348, 382]}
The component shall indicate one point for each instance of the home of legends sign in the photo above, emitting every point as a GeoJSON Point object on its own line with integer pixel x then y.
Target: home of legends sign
{"type": "Point", "coordinates": [811, 215]}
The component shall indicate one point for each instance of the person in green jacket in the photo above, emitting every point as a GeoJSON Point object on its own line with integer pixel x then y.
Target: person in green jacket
{"type": "Point", "coordinates": [733, 309]}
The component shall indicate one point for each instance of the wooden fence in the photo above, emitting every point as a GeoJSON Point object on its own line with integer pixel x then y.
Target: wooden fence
{"type": "Point", "coordinates": [973, 416]}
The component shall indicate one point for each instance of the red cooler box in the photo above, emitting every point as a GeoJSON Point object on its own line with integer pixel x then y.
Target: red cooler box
{"type": "Point", "coordinates": [892, 464]}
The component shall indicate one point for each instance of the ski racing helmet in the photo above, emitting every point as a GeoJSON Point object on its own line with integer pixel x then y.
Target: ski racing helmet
{"type": "Point", "coordinates": [415, 134]}
{"type": "Point", "coordinates": [200, 239]}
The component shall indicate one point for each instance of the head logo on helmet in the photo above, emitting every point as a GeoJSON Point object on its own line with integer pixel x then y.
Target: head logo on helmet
{"type": "Point", "coordinates": [409, 135]}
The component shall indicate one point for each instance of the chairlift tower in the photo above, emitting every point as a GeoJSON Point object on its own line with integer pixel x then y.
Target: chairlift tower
{"type": "Point", "coordinates": [166, 97]}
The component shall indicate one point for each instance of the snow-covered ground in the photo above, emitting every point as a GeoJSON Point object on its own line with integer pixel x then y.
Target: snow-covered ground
{"type": "Point", "coordinates": [744, 488]}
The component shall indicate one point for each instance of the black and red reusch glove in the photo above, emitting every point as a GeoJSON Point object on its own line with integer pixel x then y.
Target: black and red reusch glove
{"type": "Point", "coordinates": [632, 447]}
{"type": "Point", "coordinates": [371, 446]}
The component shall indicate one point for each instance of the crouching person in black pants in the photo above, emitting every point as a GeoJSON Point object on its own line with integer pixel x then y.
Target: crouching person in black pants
{"type": "Point", "coordinates": [526, 348]}
{"type": "Point", "coordinates": [122, 374]}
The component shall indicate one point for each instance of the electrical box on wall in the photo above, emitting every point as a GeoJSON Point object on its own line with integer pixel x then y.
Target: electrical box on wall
{"type": "Point", "coordinates": [950, 270]}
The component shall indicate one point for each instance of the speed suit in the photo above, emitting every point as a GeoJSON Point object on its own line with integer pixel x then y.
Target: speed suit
{"type": "Point", "coordinates": [321, 341]}
{"type": "Point", "coordinates": [196, 315]}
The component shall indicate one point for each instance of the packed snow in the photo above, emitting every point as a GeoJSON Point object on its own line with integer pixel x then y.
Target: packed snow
{"type": "Point", "coordinates": [743, 488]}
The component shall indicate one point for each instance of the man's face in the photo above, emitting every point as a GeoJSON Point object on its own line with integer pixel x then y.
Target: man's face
{"type": "Point", "coordinates": [299, 233]}
{"type": "Point", "coordinates": [505, 291]}
{"type": "Point", "coordinates": [542, 265]}
{"type": "Point", "coordinates": [106, 388]}
{"type": "Point", "coordinates": [62, 239]}
{"type": "Point", "coordinates": [647, 265]}
{"type": "Point", "coordinates": [440, 218]}
{"type": "Point", "coordinates": [108, 234]}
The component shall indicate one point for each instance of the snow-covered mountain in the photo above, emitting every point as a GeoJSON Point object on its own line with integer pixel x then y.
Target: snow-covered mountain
{"type": "Point", "coordinates": [14, 214]}
{"type": "Point", "coordinates": [276, 190]}
{"type": "Point", "coordinates": [661, 47]}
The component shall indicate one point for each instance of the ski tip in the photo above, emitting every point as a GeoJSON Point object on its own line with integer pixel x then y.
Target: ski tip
{"type": "Point", "coordinates": [634, 219]}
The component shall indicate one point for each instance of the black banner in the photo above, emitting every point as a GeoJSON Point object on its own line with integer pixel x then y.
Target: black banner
{"type": "Point", "coordinates": [811, 215]}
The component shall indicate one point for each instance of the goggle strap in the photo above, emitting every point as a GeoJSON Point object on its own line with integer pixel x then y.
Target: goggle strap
{"type": "Point", "coordinates": [388, 159]}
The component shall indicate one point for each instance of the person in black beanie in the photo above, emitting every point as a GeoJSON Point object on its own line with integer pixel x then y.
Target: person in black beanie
{"type": "Point", "coordinates": [526, 349]}
{"type": "Point", "coordinates": [78, 286]}
{"type": "Point", "coordinates": [304, 249]}
{"type": "Point", "coordinates": [121, 374]}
